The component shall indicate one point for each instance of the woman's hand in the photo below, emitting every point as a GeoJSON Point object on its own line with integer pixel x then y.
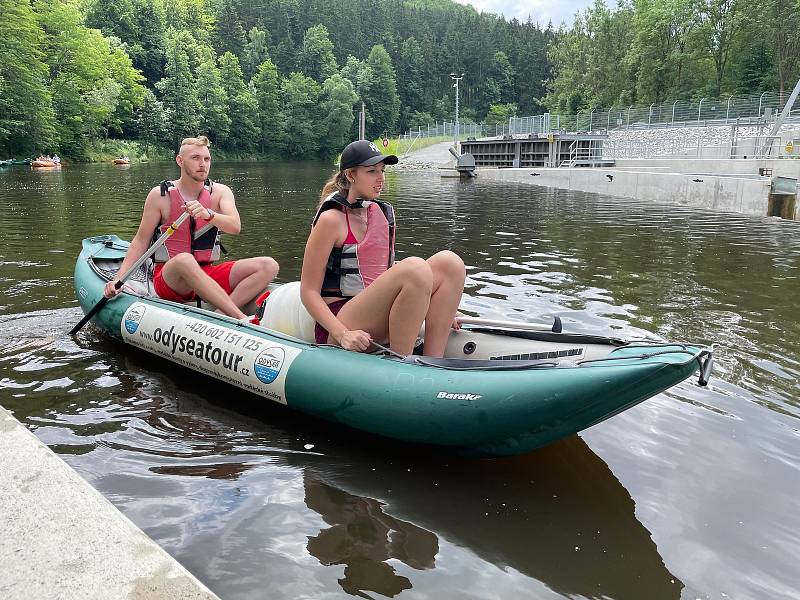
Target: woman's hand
{"type": "Point", "coordinates": [456, 323]}
{"type": "Point", "coordinates": [355, 340]}
{"type": "Point", "coordinates": [110, 290]}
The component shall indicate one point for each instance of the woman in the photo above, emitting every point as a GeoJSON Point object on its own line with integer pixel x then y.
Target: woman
{"type": "Point", "coordinates": [349, 283]}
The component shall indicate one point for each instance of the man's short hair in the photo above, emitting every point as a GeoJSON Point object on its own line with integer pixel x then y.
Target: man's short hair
{"type": "Point", "coordinates": [200, 140]}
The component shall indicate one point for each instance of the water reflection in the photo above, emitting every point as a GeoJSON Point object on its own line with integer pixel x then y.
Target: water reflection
{"type": "Point", "coordinates": [363, 537]}
{"type": "Point", "coordinates": [558, 515]}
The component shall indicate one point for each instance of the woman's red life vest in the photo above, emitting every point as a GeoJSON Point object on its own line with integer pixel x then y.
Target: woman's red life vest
{"type": "Point", "coordinates": [197, 236]}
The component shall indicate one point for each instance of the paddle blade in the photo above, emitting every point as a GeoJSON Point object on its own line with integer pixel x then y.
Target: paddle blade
{"type": "Point", "coordinates": [95, 309]}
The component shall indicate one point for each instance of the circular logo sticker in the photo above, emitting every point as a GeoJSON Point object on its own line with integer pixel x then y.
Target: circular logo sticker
{"type": "Point", "coordinates": [268, 364]}
{"type": "Point", "coordinates": [132, 319]}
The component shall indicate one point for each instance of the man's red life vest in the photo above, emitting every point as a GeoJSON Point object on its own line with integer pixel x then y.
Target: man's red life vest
{"type": "Point", "coordinates": [197, 236]}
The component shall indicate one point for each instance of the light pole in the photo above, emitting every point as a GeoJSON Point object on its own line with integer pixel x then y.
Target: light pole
{"type": "Point", "coordinates": [455, 85]}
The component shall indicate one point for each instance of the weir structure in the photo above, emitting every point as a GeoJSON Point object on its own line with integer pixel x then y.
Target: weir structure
{"type": "Point", "coordinates": [537, 150]}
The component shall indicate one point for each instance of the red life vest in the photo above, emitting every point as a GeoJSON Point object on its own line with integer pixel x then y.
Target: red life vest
{"type": "Point", "coordinates": [197, 236]}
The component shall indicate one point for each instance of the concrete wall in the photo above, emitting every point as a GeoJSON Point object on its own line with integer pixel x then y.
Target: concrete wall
{"type": "Point", "coordinates": [788, 167]}
{"type": "Point", "coordinates": [61, 540]}
{"type": "Point", "coordinates": [734, 194]}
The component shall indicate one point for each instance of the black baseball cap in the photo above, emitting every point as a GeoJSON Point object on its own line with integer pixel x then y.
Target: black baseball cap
{"type": "Point", "coordinates": [363, 153]}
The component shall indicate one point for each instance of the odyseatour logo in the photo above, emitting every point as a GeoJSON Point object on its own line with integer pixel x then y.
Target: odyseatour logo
{"type": "Point", "coordinates": [133, 317]}
{"type": "Point", "coordinates": [268, 364]}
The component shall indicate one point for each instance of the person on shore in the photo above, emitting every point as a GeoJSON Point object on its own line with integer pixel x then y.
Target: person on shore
{"type": "Point", "coordinates": [184, 264]}
{"type": "Point", "coordinates": [350, 284]}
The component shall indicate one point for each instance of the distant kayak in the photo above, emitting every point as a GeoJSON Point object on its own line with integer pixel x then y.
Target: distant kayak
{"type": "Point", "coordinates": [499, 390]}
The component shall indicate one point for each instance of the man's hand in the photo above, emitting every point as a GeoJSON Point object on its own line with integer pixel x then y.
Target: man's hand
{"type": "Point", "coordinates": [197, 210]}
{"type": "Point", "coordinates": [110, 290]}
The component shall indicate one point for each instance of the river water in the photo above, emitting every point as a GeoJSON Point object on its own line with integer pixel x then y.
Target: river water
{"type": "Point", "coordinates": [692, 494]}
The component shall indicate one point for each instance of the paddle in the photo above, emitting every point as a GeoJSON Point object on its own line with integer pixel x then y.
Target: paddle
{"type": "Point", "coordinates": [555, 327]}
{"type": "Point", "coordinates": [150, 251]}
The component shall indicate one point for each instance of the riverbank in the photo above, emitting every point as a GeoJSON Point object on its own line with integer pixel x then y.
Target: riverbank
{"type": "Point", "coordinates": [63, 540]}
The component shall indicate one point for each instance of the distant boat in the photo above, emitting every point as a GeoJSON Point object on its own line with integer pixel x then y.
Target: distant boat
{"type": "Point", "coordinates": [45, 163]}
{"type": "Point", "coordinates": [121, 161]}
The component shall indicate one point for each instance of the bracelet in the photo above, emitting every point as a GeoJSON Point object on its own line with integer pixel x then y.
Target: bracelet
{"type": "Point", "coordinates": [211, 214]}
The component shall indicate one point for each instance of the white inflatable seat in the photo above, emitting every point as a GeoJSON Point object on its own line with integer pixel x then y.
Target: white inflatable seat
{"type": "Point", "coordinates": [285, 312]}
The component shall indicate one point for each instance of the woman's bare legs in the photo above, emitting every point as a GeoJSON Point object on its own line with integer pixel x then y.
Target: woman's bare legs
{"type": "Point", "coordinates": [448, 285]}
{"type": "Point", "coordinates": [394, 305]}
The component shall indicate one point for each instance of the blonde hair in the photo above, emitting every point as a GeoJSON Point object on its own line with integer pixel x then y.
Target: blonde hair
{"type": "Point", "coordinates": [338, 182]}
{"type": "Point", "coordinates": [200, 140]}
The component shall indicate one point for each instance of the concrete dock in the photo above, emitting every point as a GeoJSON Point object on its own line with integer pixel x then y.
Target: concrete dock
{"type": "Point", "coordinates": [61, 539]}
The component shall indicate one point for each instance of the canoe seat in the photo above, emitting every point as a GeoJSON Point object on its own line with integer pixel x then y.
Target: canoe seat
{"type": "Point", "coordinates": [285, 312]}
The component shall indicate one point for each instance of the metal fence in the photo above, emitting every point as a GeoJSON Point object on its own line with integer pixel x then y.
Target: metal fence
{"type": "Point", "coordinates": [757, 109]}
{"type": "Point", "coordinates": [446, 129]}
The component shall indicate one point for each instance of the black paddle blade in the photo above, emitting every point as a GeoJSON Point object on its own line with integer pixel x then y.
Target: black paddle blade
{"type": "Point", "coordinates": [95, 309]}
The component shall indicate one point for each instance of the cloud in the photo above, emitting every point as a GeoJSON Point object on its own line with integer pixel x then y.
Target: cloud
{"type": "Point", "coordinates": [540, 11]}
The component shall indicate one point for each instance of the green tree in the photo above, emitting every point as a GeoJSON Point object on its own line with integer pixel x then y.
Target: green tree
{"type": "Point", "coordinates": [660, 48]}
{"type": "Point", "coordinates": [230, 36]}
{"type": "Point", "coordinates": [720, 24]}
{"type": "Point", "coordinates": [300, 96]}
{"type": "Point", "coordinates": [499, 113]}
{"type": "Point", "coordinates": [140, 24]}
{"type": "Point", "coordinates": [214, 119]}
{"type": "Point", "coordinates": [379, 92]}
{"type": "Point", "coordinates": [151, 121]}
{"type": "Point", "coordinates": [93, 82]}
{"type": "Point", "coordinates": [351, 70]}
{"type": "Point", "coordinates": [783, 35]}
{"type": "Point", "coordinates": [410, 79]}
{"type": "Point", "coordinates": [590, 60]}
{"type": "Point", "coordinates": [255, 51]}
{"type": "Point", "coordinates": [242, 105]}
{"type": "Point", "coordinates": [270, 113]}
{"type": "Point", "coordinates": [316, 59]}
{"type": "Point", "coordinates": [336, 110]}
{"type": "Point", "coordinates": [178, 88]}
{"type": "Point", "coordinates": [27, 120]}
{"type": "Point", "coordinates": [503, 74]}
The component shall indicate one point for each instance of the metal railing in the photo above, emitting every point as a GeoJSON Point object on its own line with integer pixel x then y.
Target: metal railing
{"type": "Point", "coordinates": [758, 109]}
{"type": "Point", "coordinates": [445, 129]}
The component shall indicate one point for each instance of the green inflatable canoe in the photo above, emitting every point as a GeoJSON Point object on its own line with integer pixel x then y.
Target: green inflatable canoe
{"type": "Point", "coordinates": [500, 390]}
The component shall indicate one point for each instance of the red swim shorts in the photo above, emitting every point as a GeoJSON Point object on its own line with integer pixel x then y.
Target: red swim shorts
{"type": "Point", "coordinates": [220, 273]}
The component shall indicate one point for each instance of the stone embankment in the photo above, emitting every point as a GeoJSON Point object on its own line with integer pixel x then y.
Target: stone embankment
{"type": "Point", "coordinates": [429, 158]}
{"type": "Point", "coordinates": [713, 142]}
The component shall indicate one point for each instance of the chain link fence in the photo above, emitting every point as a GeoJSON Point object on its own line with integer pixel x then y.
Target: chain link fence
{"type": "Point", "coordinates": [758, 109]}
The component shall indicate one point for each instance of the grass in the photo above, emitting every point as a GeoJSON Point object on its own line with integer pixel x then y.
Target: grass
{"type": "Point", "coordinates": [402, 146]}
{"type": "Point", "coordinates": [107, 150]}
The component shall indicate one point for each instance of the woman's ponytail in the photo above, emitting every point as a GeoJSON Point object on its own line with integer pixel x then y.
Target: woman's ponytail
{"type": "Point", "coordinates": [338, 182]}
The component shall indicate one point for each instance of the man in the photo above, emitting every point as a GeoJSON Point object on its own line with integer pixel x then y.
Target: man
{"type": "Point", "coordinates": [184, 265]}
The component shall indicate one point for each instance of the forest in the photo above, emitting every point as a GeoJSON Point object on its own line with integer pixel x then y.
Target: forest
{"type": "Point", "coordinates": [286, 78]}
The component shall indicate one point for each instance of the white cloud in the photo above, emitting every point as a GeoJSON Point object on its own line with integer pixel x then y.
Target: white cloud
{"type": "Point", "coordinates": [540, 11]}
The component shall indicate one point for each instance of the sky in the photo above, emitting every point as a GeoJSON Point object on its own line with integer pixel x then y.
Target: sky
{"type": "Point", "coordinates": [539, 10]}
